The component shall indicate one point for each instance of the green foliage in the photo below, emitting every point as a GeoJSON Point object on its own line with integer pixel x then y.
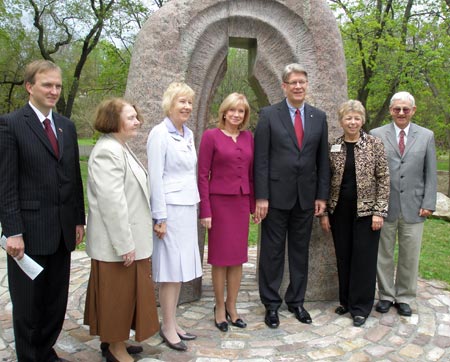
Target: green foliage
{"type": "Point", "coordinates": [235, 80]}
{"type": "Point", "coordinates": [105, 76]}
{"type": "Point", "coordinates": [398, 45]}
{"type": "Point", "coordinates": [90, 41]}
{"type": "Point", "coordinates": [16, 43]}
{"type": "Point", "coordinates": [389, 46]}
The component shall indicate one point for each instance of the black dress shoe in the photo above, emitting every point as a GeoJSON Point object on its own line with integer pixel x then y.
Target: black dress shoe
{"type": "Point", "coordinates": [221, 326]}
{"type": "Point", "coordinates": [55, 358]}
{"type": "Point", "coordinates": [180, 346]}
{"type": "Point", "coordinates": [383, 306]}
{"type": "Point", "coordinates": [237, 323]}
{"type": "Point", "coordinates": [130, 349]}
{"type": "Point", "coordinates": [358, 320]}
{"type": "Point", "coordinates": [341, 310]}
{"type": "Point", "coordinates": [301, 314]}
{"type": "Point", "coordinates": [403, 309]}
{"type": "Point", "coordinates": [271, 319]}
{"type": "Point", "coordinates": [110, 357]}
{"type": "Point", "coordinates": [187, 336]}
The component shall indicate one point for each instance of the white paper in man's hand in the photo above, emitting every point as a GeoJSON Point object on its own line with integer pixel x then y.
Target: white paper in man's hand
{"type": "Point", "coordinates": [28, 265]}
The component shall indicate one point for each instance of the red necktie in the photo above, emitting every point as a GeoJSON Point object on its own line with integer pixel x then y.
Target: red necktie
{"type": "Point", "coordinates": [401, 142]}
{"type": "Point", "coordinates": [51, 136]}
{"type": "Point", "coordinates": [298, 126]}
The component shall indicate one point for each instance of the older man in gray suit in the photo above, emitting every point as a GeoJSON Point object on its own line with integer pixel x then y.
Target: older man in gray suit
{"type": "Point", "coordinates": [412, 166]}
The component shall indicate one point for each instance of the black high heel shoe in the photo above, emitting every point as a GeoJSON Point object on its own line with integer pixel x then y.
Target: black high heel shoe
{"type": "Point", "coordinates": [180, 346]}
{"type": "Point", "coordinates": [131, 349]}
{"type": "Point", "coordinates": [222, 326]}
{"type": "Point", "coordinates": [238, 323]}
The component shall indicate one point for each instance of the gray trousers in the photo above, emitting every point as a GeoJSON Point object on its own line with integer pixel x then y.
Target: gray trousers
{"type": "Point", "coordinates": [400, 287]}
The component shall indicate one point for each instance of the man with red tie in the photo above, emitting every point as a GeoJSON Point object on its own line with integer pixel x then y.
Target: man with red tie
{"type": "Point", "coordinates": [291, 176]}
{"type": "Point", "coordinates": [41, 210]}
{"type": "Point", "coordinates": [411, 155]}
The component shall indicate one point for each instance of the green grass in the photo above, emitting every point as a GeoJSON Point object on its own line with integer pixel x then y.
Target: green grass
{"type": "Point", "coordinates": [435, 254]}
{"type": "Point", "coordinates": [86, 141]}
{"type": "Point", "coordinates": [442, 160]}
{"type": "Point", "coordinates": [253, 234]}
{"type": "Point", "coordinates": [442, 165]}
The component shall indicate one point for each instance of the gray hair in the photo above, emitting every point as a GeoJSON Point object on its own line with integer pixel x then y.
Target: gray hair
{"type": "Point", "coordinates": [403, 96]}
{"type": "Point", "coordinates": [292, 68]}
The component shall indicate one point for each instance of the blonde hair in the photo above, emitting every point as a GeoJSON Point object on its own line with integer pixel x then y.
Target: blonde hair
{"type": "Point", "coordinates": [38, 66]}
{"type": "Point", "coordinates": [173, 91]}
{"type": "Point", "coordinates": [231, 101]}
{"type": "Point", "coordinates": [352, 106]}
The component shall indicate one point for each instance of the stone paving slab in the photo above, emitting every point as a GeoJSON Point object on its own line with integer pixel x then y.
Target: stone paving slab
{"type": "Point", "coordinates": [425, 336]}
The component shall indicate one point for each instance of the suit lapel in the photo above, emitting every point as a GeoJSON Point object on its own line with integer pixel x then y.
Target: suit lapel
{"type": "Point", "coordinates": [286, 121]}
{"type": "Point", "coordinates": [412, 137]}
{"type": "Point", "coordinates": [391, 137]}
{"type": "Point", "coordinates": [138, 173]}
{"type": "Point", "coordinates": [308, 122]}
{"type": "Point", "coordinates": [36, 126]}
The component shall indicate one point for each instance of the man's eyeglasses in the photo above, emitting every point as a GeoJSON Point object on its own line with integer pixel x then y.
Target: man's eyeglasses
{"type": "Point", "coordinates": [294, 83]}
{"type": "Point", "coordinates": [405, 110]}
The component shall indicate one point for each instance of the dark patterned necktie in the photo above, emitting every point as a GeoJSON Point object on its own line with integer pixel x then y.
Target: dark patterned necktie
{"type": "Point", "coordinates": [401, 142]}
{"type": "Point", "coordinates": [298, 126]}
{"type": "Point", "coordinates": [51, 136]}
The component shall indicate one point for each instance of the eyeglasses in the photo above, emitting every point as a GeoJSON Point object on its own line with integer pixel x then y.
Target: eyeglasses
{"type": "Point", "coordinates": [405, 110]}
{"type": "Point", "coordinates": [294, 83]}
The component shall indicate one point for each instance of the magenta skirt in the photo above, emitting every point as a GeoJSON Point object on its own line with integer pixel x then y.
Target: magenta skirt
{"type": "Point", "coordinates": [228, 236]}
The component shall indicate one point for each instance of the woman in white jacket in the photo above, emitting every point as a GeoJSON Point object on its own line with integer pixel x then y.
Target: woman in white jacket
{"type": "Point", "coordinates": [172, 161]}
{"type": "Point", "coordinates": [121, 293]}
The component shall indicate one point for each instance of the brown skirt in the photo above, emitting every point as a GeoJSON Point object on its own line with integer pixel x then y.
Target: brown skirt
{"type": "Point", "coordinates": [121, 298]}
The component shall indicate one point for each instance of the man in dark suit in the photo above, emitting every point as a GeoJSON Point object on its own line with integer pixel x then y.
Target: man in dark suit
{"type": "Point", "coordinates": [291, 173]}
{"type": "Point", "coordinates": [41, 210]}
{"type": "Point", "coordinates": [411, 154]}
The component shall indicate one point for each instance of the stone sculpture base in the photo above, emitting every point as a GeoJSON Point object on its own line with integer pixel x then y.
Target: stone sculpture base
{"type": "Point", "coordinates": [188, 40]}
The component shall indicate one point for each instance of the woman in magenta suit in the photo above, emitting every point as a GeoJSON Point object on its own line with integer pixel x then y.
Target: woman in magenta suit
{"type": "Point", "coordinates": [225, 180]}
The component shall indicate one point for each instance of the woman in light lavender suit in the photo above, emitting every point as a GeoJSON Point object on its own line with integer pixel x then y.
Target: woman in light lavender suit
{"type": "Point", "coordinates": [172, 161]}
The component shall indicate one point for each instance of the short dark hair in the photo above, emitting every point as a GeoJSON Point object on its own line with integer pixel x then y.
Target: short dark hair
{"type": "Point", "coordinates": [38, 66]}
{"type": "Point", "coordinates": [107, 115]}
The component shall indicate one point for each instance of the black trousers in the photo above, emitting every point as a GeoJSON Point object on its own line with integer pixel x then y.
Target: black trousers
{"type": "Point", "coordinates": [296, 224]}
{"type": "Point", "coordinates": [39, 305]}
{"type": "Point", "coordinates": [356, 246]}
